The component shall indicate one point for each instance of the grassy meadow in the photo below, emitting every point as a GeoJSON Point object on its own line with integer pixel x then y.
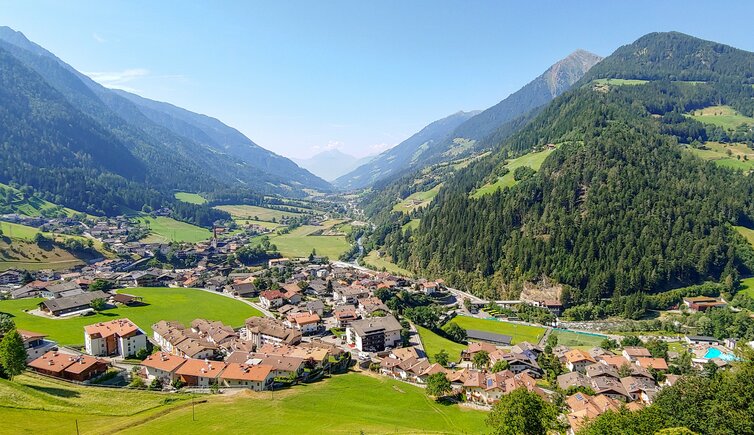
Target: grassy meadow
{"type": "Point", "coordinates": [517, 331]}
{"type": "Point", "coordinates": [191, 198]}
{"type": "Point", "coordinates": [734, 155]}
{"type": "Point", "coordinates": [180, 304]}
{"type": "Point", "coordinates": [374, 261]}
{"type": "Point", "coordinates": [532, 160]}
{"type": "Point", "coordinates": [302, 240]}
{"type": "Point", "coordinates": [417, 199]}
{"type": "Point", "coordinates": [434, 343]}
{"type": "Point", "coordinates": [721, 116]}
{"type": "Point", "coordinates": [255, 213]}
{"type": "Point", "coordinates": [164, 229]}
{"type": "Point", "coordinates": [575, 339]}
{"type": "Point", "coordinates": [747, 287]}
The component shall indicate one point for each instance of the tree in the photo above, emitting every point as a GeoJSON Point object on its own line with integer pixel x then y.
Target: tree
{"type": "Point", "coordinates": [12, 354]}
{"type": "Point", "coordinates": [481, 359]}
{"type": "Point", "coordinates": [710, 369]}
{"type": "Point", "coordinates": [624, 370]}
{"type": "Point", "coordinates": [137, 382]}
{"type": "Point", "coordinates": [98, 304]}
{"type": "Point", "coordinates": [500, 365]}
{"type": "Point", "coordinates": [522, 413]}
{"type": "Point", "coordinates": [658, 348]}
{"type": "Point", "coordinates": [142, 354]}
{"type": "Point", "coordinates": [438, 385]}
{"type": "Point", "coordinates": [609, 344]}
{"type": "Point", "coordinates": [6, 323]}
{"type": "Point", "coordinates": [631, 340]}
{"type": "Point", "coordinates": [100, 284]}
{"type": "Point", "coordinates": [156, 385]}
{"type": "Point", "coordinates": [455, 332]}
{"type": "Point", "coordinates": [441, 358]}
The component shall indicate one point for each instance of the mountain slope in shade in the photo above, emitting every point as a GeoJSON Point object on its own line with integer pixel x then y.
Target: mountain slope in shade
{"type": "Point", "coordinates": [540, 91]}
{"type": "Point", "coordinates": [209, 153]}
{"type": "Point", "coordinates": [331, 164]}
{"type": "Point", "coordinates": [409, 153]}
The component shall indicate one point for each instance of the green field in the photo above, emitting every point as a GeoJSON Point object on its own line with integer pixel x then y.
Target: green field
{"type": "Point", "coordinates": [413, 224]}
{"type": "Point", "coordinates": [255, 212]}
{"type": "Point", "coordinates": [16, 231]}
{"type": "Point", "coordinates": [343, 404]}
{"type": "Point", "coordinates": [191, 198]}
{"type": "Point", "coordinates": [374, 261]}
{"type": "Point", "coordinates": [301, 241]}
{"type": "Point", "coordinates": [28, 205]}
{"type": "Point", "coordinates": [574, 339]}
{"type": "Point", "coordinates": [532, 160]}
{"type": "Point", "coordinates": [265, 224]}
{"type": "Point", "coordinates": [620, 82]}
{"type": "Point", "coordinates": [734, 155]}
{"type": "Point", "coordinates": [747, 287]}
{"type": "Point", "coordinates": [179, 304]}
{"type": "Point", "coordinates": [417, 199]}
{"type": "Point", "coordinates": [747, 233]}
{"type": "Point", "coordinates": [165, 229]}
{"type": "Point", "coordinates": [434, 343]}
{"type": "Point", "coordinates": [518, 332]}
{"type": "Point", "coordinates": [722, 116]}
{"type": "Point", "coordinates": [32, 404]}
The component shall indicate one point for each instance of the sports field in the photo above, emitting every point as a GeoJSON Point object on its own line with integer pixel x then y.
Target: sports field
{"type": "Point", "coordinates": [578, 340]}
{"type": "Point", "coordinates": [180, 304]}
{"type": "Point", "coordinates": [518, 332]}
{"type": "Point", "coordinates": [164, 229]}
{"type": "Point", "coordinates": [343, 404]}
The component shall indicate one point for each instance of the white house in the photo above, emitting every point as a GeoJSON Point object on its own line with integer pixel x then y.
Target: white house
{"type": "Point", "coordinates": [374, 334]}
{"type": "Point", "coordinates": [119, 337]}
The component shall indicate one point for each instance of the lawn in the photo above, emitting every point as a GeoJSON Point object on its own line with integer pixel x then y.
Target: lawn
{"type": "Point", "coordinates": [301, 241]}
{"type": "Point", "coordinates": [179, 304]}
{"type": "Point", "coordinates": [517, 331]}
{"type": "Point", "coordinates": [374, 261]}
{"type": "Point", "coordinates": [191, 198]}
{"type": "Point", "coordinates": [734, 155]}
{"type": "Point", "coordinates": [56, 407]}
{"type": "Point", "coordinates": [532, 160]}
{"type": "Point", "coordinates": [434, 343]}
{"type": "Point", "coordinates": [165, 229]}
{"type": "Point", "coordinates": [747, 287]}
{"type": "Point", "coordinates": [722, 116]}
{"type": "Point", "coordinates": [344, 404]}
{"type": "Point", "coordinates": [17, 231]}
{"type": "Point", "coordinates": [255, 212]}
{"type": "Point", "coordinates": [413, 224]}
{"type": "Point", "coordinates": [417, 199]}
{"type": "Point", "coordinates": [578, 340]}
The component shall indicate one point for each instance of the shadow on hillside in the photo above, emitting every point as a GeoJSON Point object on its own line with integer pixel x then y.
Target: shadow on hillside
{"type": "Point", "coordinates": [57, 392]}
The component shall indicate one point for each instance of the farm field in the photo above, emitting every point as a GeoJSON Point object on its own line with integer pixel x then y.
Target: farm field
{"type": "Point", "coordinates": [532, 160]}
{"type": "Point", "coordinates": [191, 198]}
{"type": "Point", "coordinates": [18, 231]}
{"type": "Point", "coordinates": [575, 339]}
{"type": "Point", "coordinates": [722, 116]}
{"type": "Point", "coordinates": [741, 156]}
{"type": "Point", "coordinates": [29, 206]}
{"type": "Point", "coordinates": [434, 343]}
{"type": "Point", "coordinates": [374, 261]}
{"type": "Point", "coordinates": [417, 199]}
{"type": "Point", "coordinates": [56, 406]}
{"type": "Point", "coordinates": [335, 405]}
{"type": "Point", "coordinates": [301, 241]}
{"type": "Point", "coordinates": [255, 213]}
{"type": "Point", "coordinates": [517, 331]}
{"type": "Point", "coordinates": [165, 229]}
{"type": "Point", "coordinates": [265, 224]}
{"type": "Point", "coordinates": [180, 304]}
{"type": "Point", "coordinates": [350, 403]}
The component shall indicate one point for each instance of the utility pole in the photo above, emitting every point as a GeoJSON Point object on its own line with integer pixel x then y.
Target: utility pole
{"type": "Point", "coordinates": [77, 426]}
{"type": "Point", "coordinates": [193, 413]}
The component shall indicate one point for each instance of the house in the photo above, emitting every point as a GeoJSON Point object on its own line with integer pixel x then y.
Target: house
{"type": "Point", "coordinates": [344, 316]}
{"type": "Point", "coordinates": [631, 353]}
{"type": "Point", "coordinates": [610, 387]}
{"type": "Point", "coordinates": [489, 388]}
{"type": "Point", "coordinates": [700, 339]}
{"type": "Point", "coordinates": [117, 337]}
{"type": "Point", "coordinates": [476, 347]}
{"type": "Point", "coordinates": [703, 303]}
{"type": "Point", "coordinates": [315, 307]}
{"type": "Point", "coordinates": [254, 377]}
{"type": "Point", "coordinates": [71, 305]}
{"type": "Point", "coordinates": [371, 305]}
{"type": "Point", "coordinates": [282, 366]}
{"type": "Point", "coordinates": [585, 407]}
{"type": "Point", "coordinates": [272, 299]}
{"type": "Point", "coordinates": [30, 290]}
{"type": "Point", "coordinates": [215, 332]}
{"type": "Point", "coordinates": [244, 290]}
{"type": "Point", "coordinates": [304, 322]}
{"type": "Point", "coordinates": [261, 331]}
{"type": "Point", "coordinates": [375, 333]}
{"type": "Point", "coordinates": [573, 379]}
{"type": "Point", "coordinates": [577, 360]}
{"type": "Point", "coordinates": [640, 388]}
{"type": "Point", "coordinates": [143, 279]}
{"type": "Point", "coordinates": [35, 344]}
{"type": "Point", "coordinates": [61, 290]}
{"type": "Point", "coordinates": [78, 368]}
{"type": "Point", "coordinates": [602, 370]}
{"type": "Point", "coordinates": [291, 293]}
{"type": "Point", "coordinates": [173, 337]}
{"type": "Point", "coordinates": [11, 277]}
{"type": "Point", "coordinates": [652, 363]}
{"type": "Point", "coordinates": [429, 287]}
{"type": "Point", "coordinates": [489, 337]}
{"type": "Point", "coordinates": [200, 372]}
{"type": "Point", "coordinates": [162, 366]}
{"type": "Point", "coordinates": [349, 295]}
{"type": "Point", "coordinates": [278, 262]}
{"type": "Point", "coordinates": [518, 363]}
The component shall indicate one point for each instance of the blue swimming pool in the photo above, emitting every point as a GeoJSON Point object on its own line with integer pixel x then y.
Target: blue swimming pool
{"type": "Point", "coordinates": [714, 352]}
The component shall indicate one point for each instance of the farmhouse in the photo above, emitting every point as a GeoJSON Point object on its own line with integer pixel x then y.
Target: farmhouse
{"type": "Point", "coordinates": [71, 304]}
{"type": "Point", "coordinates": [374, 334]}
{"type": "Point", "coordinates": [162, 366]}
{"type": "Point", "coordinates": [703, 303]}
{"type": "Point", "coordinates": [117, 337]}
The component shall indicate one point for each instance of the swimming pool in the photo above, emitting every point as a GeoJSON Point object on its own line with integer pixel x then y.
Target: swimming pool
{"type": "Point", "coordinates": [714, 352]}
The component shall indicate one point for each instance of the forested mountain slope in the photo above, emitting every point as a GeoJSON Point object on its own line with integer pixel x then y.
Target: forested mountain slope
{"type": "Point", "coordinates": [620, 207]}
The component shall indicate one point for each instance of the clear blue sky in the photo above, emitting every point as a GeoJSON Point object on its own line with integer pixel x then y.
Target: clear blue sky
{"type": "Point", "coordinates": [299, 77]}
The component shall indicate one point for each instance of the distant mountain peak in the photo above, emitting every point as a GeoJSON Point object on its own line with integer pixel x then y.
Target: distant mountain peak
{"type": "Point", "coordinates": [569, 70]}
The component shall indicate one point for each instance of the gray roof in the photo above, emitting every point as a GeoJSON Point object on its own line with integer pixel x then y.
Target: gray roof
{"type": "Point", "coordinates": [488, 336]}
{"type": "Point", "coordinates": [375, 324]}
{"type": "Point", "coordinates": [701, 338]}
{"type": "Point", "coordinates": [67, 303]}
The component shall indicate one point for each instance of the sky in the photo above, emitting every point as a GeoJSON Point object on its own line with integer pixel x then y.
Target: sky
{"type": "Point", "coordinates": [301, 77]}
